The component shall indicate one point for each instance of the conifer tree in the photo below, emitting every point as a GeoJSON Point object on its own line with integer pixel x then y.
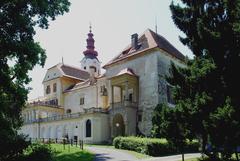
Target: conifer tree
{"type": "Point", "coordinates": [207, 89]}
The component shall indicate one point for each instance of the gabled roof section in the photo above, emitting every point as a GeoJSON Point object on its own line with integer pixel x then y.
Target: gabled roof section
{"type": "Point", "coordinates": [74, 72]}
{"type": "Point", "coordinates": [63, 70]}
{"type": "Point", "coordinates": [79, 85]}
{"type": "Point", "coordinates": [128, 71]}
{"type": "Point", "coordinates": [148, 40]}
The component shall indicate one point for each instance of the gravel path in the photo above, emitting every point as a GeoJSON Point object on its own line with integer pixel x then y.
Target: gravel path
{"type": "Point", "coordinates": [108, 154]}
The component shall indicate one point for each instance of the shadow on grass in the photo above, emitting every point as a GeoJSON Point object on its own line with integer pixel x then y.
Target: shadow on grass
{"type": "Point", "coordinates": [74, 156]}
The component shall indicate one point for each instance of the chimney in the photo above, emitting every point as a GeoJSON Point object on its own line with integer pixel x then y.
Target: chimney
{"type": "Point", "coordinates": [135, 41]}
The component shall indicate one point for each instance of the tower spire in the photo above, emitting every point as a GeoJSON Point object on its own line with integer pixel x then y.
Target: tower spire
{"type": "Point", "coordinates": [90, 62]}
{"type": "Point", "coordinates": [90, 27]}
{"type": "Point", "coordinates": [90, 52]}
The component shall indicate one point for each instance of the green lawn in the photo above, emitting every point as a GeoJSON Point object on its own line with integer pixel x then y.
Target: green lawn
{"type": "Point", "coordinates": [194, 159]}
{"type": "Point", "coordinates": [71, 154]}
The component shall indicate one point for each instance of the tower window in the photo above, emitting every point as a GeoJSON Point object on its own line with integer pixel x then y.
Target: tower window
{"type": "Point", "coordinates": [85, 68]}
{"type": "Point", "coordinates": [94, 68]}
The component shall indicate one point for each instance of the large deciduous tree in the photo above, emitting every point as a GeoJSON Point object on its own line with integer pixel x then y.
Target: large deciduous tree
{"type": "Point", "coordinates": [207, 89]}
{"type": "Point", "coordinates": [19, 53]}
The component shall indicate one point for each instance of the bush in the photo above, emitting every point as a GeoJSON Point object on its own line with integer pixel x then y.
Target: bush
{"type": "Point", "coordinates": [151, 146]}
{"type": "Point", "coordinates": [39, 152]}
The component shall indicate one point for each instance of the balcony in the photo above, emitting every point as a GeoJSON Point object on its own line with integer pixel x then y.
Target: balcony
{"type": "Point", "coordinates": [68, 116]}
{"type": "Point", "coordinates": [49, 103]}
{"type": "Point", "coordinates": [124, 104]}
{"type": "Point", "coordinates": [123, 107]}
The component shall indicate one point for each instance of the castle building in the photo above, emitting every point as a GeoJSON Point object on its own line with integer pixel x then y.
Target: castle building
{"type": "Point", "coordinates": [81, 103]}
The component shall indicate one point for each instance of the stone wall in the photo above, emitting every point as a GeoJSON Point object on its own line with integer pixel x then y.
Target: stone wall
{"type": "Point", "coordinates": [152, 67]}
{"type": "Point", "coordinates": [72, 99]}
{"type": "Point", "coordinates": [71, 127]}
{"type": "Point", "coordinates": [146, 68]}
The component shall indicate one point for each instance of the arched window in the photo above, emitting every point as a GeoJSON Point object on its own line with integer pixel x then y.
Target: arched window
{"type": "Point", "coordinates": [88, 128]}
{"type": "Point", "coordinates": [69, 111]}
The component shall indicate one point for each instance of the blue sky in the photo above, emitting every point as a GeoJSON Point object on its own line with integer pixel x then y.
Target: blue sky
{"type": "Point", "coordinates": [113, 22]}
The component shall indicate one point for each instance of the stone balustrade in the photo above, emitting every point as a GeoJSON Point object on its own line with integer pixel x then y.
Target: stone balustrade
{"type": "Point", "coordinates": [67, 116]}
{"type": "Point", "coordinates": [51, 103]}
{"type": "Point", "coordinates": [123, 104]}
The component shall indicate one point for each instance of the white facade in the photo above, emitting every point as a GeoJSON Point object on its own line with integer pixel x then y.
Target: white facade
{"type": "Point", "coordinates": [119, 102]}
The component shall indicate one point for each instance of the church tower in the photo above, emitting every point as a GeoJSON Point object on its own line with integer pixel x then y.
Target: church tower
{"type": "Point", "coordinates": [90, 62]}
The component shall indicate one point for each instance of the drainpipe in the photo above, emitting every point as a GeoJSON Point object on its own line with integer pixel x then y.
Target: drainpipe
{"type": "Point", "coordinates": [97, 95]}
{"type": "Point", "coordinates": [39, 128]}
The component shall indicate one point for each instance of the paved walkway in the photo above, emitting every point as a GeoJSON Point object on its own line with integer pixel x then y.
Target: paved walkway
{"type": "Point", "coordinates": [108, 154]}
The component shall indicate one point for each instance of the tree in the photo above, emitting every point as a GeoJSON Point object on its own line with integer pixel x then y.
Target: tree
{"type": "Point", "coordinates": [206, 89]}
{"type": "Point", "coordinates": [19, 53]}
{"type": "Point", "coordinates": [168, 123]}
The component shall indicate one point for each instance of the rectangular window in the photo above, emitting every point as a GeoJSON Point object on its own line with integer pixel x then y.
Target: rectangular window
{"type": "Point", "coordinates": [139, 117]}
{"type": "Point", "coordinates": [55, 87]}
{"type": "Point", "coordinates": [169, 94]}
{"type": "Point", "coordinates": [82, 101]}
{"type": "Point", "coordinates": [48, 89]}
{"type": "Point", "coordinates": [102, 89]}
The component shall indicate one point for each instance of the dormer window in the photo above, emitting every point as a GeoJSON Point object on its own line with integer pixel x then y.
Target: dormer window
{"type": "Point", "coordinates": [55, 87]}
{"type": "Point", "coordinates": [48, 89]}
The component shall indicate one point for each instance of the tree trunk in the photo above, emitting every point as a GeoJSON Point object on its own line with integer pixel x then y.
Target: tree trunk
{"type": "Point", "coordinates": [204, 143]}
{"type": "Point", "coordinates": [182, 156]}
{"type": "Point", "coordinates": [236, 153]}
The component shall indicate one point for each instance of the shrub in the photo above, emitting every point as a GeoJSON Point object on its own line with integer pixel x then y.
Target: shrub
{"type": "Point", "coordinates": [151, 146]}
{"type": "Point", "coordinates": [39, 152]}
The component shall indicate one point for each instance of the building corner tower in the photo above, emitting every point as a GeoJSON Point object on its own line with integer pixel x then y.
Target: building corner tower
{"type": "Point", "coordinates": [90, 62]}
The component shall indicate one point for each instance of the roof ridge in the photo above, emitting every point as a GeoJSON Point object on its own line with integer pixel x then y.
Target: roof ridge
{"type": "Point", "coordinates": [175, 53]}
{"type": "Point", "coordinates": [54, 66]}
{"type": "Point", "coordinates": [70, 66]}
{"type": "Point", "coordinates": [153, 40]}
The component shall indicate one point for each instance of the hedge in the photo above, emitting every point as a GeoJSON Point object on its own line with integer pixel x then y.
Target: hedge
{"type": "Point", "coordinates": [151, 146]}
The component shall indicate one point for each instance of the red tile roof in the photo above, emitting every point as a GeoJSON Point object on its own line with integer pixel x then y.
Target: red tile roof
{"type": "Point", "coordinates": [78, 86]}
{"type": "Point", "coordinates": [148, 40]}
{"type": "Point", "coordinates": [74, 72]}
